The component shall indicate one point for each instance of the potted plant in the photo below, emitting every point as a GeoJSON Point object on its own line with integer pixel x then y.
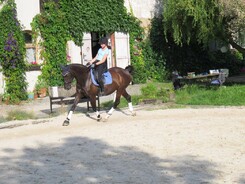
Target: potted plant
{"type": "Point", "coordinates": [41, 88]}
{"type": "Point", "coordinates": [30, 95]}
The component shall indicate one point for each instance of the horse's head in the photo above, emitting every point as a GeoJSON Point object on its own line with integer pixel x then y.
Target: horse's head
{"type": "Point", "coordinates": [68, 77]}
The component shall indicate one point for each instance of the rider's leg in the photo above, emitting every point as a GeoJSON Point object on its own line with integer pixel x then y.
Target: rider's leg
{"type": "Point", "coordinates": [100, 71]}
{"type": "Point", "coordinates": [101, 83]}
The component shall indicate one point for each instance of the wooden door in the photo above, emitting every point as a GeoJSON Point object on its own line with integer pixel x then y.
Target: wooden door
{"type": "Point", "coordinates": [122, 49]}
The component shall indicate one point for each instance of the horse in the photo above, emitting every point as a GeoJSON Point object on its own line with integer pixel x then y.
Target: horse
{"type": "Point", "coordinates": [121, 78]}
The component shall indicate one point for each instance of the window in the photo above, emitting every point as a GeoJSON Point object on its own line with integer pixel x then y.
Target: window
{"type": "Point", "coordinates": [30, 49]}
{"type": "Point", "coordinates": [28, 37]}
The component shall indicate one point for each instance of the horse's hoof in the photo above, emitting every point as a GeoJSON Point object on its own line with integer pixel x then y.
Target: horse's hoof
{"type": "Point", "coordinates": [66, 123]}
{"type": "Point", "coordinates": [133, 113]}
{"type": "Point", "coordinates": [106, 118]}
{"type": "Point", "coordinates": [99, 117]}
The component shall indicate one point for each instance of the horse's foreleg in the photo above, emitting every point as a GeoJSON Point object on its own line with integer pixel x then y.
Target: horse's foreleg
{"type": "Point", "coordinates": [93, 104]}
{"type": "Point", "coordinates": [72, 109]}
{"type": "Point", "coordinates": [130, 106]}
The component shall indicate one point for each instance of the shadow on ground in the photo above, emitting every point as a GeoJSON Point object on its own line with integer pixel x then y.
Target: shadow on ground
{"type": "Point", "coordinates": [83, 160]}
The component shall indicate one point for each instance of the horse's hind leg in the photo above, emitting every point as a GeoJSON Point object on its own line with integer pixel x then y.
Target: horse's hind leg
{"type": "Point", "coordinates": [116, 102]}
{"type": "Point", "coordinates": [130, 106]}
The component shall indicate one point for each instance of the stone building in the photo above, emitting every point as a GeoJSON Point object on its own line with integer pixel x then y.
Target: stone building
{"type": "Point", "coordinates": [119, 42]}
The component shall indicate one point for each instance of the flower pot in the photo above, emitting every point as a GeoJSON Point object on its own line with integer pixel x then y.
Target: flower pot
{"type": "Point", "coordinates": [42, 92]}
{"type": "Point", "coordinates": [35, 96]}
{"type": "Point", "coordinates": [31, 96]}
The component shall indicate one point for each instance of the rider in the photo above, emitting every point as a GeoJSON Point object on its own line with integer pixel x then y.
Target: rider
{"type": "Point", "coordinates": [100, 62]}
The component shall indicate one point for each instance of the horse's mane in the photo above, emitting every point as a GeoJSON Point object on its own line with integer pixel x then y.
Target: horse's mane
{"type": "Point", "coordinates": [79, 67]}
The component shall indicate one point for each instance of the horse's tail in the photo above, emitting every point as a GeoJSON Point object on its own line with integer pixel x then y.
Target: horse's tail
{"type": "Point", "coordinates": [129, 68]}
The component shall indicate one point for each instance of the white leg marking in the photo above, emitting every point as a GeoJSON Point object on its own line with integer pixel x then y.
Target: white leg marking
{"type": "Point", "coordinates": [115, 95]}
{"type": "Point", "coordinates": [130, 106]}
{"type": "Point", "coordinates": [111, 111]}
{"type": "Point", "coordinates": [97, 113]}
{"type": "Point", "coordinates": [69, 115]}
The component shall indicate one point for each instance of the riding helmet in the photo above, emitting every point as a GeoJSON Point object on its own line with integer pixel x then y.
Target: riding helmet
{"type": "Point", "coordinates": [103, 40]}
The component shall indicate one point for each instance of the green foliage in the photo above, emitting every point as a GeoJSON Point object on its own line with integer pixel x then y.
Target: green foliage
{"type": "Point", "coordinates": [41, 83]}
{"type": "Point", "coordinates": [157, 37]}
{"type": "Point", "coordinates": [12, 53]}
{"type": "Point", "coordinates": [154, 63]}
{"type": "Point", "coordinates": [19, 115]}
{"type": "Point", "coordinates": [148, 64]}
{"type": "Point", "coordinates": [203, 21]}
{"type": "Point", "coordinates": [149, 91]}
{"type": "Point", "coordinates": [96, 16]}
{"type": "Point", "coordinates": [156, 91]}
{"type": "Point", "coordinates": [52, 25]}
{"type": "Point", "coordinates": [192, 56]}
{"type": "Point", "coordinates": [231, 60]}
{"type": "Point", "coordinates": [70, 19]}
{"type": "Point", "coordinates": [137, 58]}
{"type": "Point", "coordinates": [2, 119]}
{"type": "Point", "coordinates": [191, 19]}
{"type": "Point", "coordinates": [225, 95]}
{"type": "Point", "coordinates": [66, 20]}
{"type": "Point", "coordinates": [234, 15]}
{"type": "Point", "coordinates": [123, 102]}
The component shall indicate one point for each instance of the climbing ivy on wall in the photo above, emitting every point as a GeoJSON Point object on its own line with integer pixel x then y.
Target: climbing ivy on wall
{"type": "Point", "coordinates": [69, 19]}
{"type": "Point", "coordinates": [109, 16]}
{"type": "Point", "coordinates": [106, 16]}
{"type": "Point", "coordinates": [12, 53]}
{"type": "Point", "coordinates": [52, 25]}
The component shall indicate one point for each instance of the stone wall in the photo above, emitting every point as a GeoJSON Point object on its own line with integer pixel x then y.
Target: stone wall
{"type": "Point", "coordinates": [144, 9]}
{"type": "Point", "coordinates": [31, 79]}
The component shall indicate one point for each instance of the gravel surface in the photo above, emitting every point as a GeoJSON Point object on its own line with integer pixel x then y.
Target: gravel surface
{"type": "Point", "coordinates": [158, 145]}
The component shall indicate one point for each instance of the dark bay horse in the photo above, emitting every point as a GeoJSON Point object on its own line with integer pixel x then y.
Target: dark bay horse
{"type": "Point", "coordinates": [121, 78]}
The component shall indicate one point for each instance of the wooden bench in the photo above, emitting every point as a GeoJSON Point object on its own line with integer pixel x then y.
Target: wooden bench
{"type": "Point", "coordinates": [58, 95]}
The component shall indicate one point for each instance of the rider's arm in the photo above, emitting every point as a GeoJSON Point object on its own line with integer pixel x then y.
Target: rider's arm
{"type": "Point", "coordinates": [94, 59]}
{"type": "Point", "coordinates": [102, 60]}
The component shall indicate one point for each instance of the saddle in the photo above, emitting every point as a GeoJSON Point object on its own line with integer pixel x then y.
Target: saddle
{"type": "Point", "coordinates": [107, 78]}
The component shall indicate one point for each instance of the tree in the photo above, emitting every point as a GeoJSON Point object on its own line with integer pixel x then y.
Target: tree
{"type": "Point", "coordinates": [205, 20]}
{"type": "Point", "coordinates": [233, 12]}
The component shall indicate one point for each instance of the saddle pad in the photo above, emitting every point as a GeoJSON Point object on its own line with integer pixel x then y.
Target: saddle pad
{"type": "Point", "coordinates": [107, 77]}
